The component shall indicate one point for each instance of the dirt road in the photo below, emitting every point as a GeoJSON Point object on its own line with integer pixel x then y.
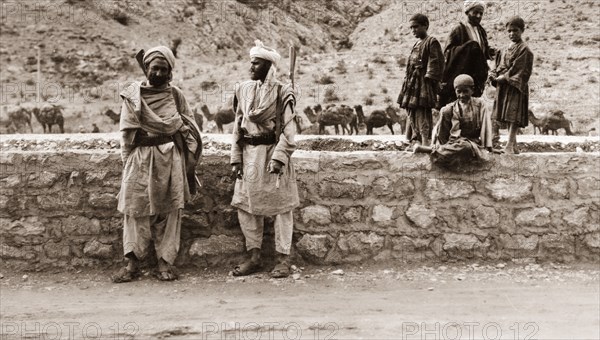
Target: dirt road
{"type": "Point", "coordinates": [441, 301]}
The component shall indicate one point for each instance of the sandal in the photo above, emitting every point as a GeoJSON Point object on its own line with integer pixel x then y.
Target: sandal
{"type": "Point", "coordinates": [125, 275]}
{"type": "Point", "coordinates": [167, 275]}
{"type": "Point", "coordinates": [280, 271]}
{"type": "Point", "coordinates": [246, 268]}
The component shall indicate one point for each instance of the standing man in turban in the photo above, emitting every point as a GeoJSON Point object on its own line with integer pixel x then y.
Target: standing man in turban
{"type": "Point", "coordinates": [467, 52]}
{"type": "Point", "coordinates": [264, 134]}
{"type": "Point", "coordinates": [160, 146]}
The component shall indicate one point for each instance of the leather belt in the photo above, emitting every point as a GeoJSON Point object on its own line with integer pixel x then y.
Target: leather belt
{"type": "Point", "coordinates": [151, 140]}
{"type": "Point", "coordinates": [259, 139]}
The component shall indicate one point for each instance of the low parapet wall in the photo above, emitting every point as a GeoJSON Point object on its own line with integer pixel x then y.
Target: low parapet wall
{"type": "Point", "coordinates": [58, 208]}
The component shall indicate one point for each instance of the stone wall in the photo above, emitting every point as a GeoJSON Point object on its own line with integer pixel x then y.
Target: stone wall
{"type": "Point", "coordinates": [59, 209]}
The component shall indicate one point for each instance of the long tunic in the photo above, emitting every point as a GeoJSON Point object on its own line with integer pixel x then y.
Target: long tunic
{"type": "Point", "coordinates": [154, 177]}
{"type": "Point", "coordinates": [466, 52]}
{"type": "Point", "coordinates": [257, 192]}
{"type": "Point", "coordinates": [426, 61]}
{"type": "Point", "coordinates": [468, 129]}
{"type": "Point", "coordinates": [515, 63]}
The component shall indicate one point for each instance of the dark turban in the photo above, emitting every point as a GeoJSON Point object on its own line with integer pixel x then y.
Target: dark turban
{"type": "Point", "coordinates": [517, 22]}
{"type": "Point", "coordinates": [420, 19]}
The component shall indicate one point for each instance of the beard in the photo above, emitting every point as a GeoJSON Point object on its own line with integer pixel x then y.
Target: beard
{"type": "Point", "coordinates": [157, 80]}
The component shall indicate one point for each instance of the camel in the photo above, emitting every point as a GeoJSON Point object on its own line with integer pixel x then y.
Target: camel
{"type": "Point", "coordinates": [552, 121]}
{"type": "Point", "coordinates": [199, 118]}
{"type": "Point", "coordinates": [379, 118]}
{"type": "Point", "coordinates": [336, 116]}
{"type": "Point", "coordinates": [222, 117]}
{"type": "Point", "coordinates": [556, 121]}
{"type": "Point", "coordinates": [13, 119]}
{"type": "Point", "coordinates": [49, 115]}
{"type": "Point", "coordinates": [115, 117]}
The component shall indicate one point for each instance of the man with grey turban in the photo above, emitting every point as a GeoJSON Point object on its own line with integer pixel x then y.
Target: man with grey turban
{"type": "Point", "coordinates": [264, 134]}
{"type": "Point", "coordinates": [160, 146]}
{"type": "Point", "coordinates": [466, 52]}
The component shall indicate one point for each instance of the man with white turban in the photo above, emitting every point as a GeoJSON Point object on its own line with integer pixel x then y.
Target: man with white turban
{"type": "Point", "coordinates": [264, 134]}
{"type": "Point", "coordinates": [466, 52]}
{"type": "Point", "coordinates": [160, 146]}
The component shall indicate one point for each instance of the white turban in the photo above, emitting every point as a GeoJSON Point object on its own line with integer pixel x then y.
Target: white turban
{"type": "Point", "coordinates": [470, 4]}
{"type": "Point", "coordinates": [263, 52]}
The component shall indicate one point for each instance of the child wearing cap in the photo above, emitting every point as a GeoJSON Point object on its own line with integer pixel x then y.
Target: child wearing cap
{"type": "Point", "coordinates": [421, 83]}
{"type": "Point", "coordinates": [514, 66]}
{"type": "Point", "coordinates": [464, 129]}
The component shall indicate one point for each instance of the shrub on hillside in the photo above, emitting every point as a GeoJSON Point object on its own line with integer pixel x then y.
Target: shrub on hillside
{"type": "Point", "coordinates": [324, 79]}
{"type": "Point", "coordinates": [330, 95]}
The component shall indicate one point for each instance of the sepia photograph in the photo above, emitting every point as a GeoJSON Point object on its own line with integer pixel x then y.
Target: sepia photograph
{"type": "Point", "coordinates": [300, 169]}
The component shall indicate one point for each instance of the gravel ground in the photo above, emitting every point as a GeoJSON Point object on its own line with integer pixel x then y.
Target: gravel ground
{"type": "Point", "coordinates": [520, 300]}
{"type": "Point", "coordinates": [216, 142]}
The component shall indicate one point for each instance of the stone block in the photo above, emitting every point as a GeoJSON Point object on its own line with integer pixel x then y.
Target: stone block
{"type": "Point", "coordinates": [382, 186]}
{"type": "Point", "coordinates": [26, 226]}
{"type": "Point", "coordinates": [59, 201]}
{"type": "Point", "coordinates": [316, 213]}
{"type": "Point", "coordinates": [56, 250]}
{"type": "Point", "coordinates": [99, 250]}
{"type": "Point", "coordinates": [12, 181]}
{"type": "Point", "coordinates": [518, 242]}
{"type": "Point", "coordinates": [445, 189]}
{"type": "Point", "coordinates": [420, 215]}
{"type": "Point", "coordinates": [588, 187]}
{"type": "Point", "coordinates": [577, 218]}
{"type": "Point", "coordinates": [17, 253]}
{"type": "Point", "coordinates": [347, 188]}
{"type": "Point", "coordinates": [360, 243]}
{"type": "Point", "coordinates": [80, 225]}
{"type": "Point", "coordinates": [97, 177]}
{"type": "Point", "coordinates": [514, 191]}
{"type": "Point", "coordinates": [404, 188]}
{"type": "Point", "coordinates": [217, 245]}
{"type": "Point", "coordinates": [43, 179]}
{"type": "Point", "coordinates": [556, 189]}
{"type": "Point", "coordinates": [592, 240]}
{"type": "Point", "coordinates": [103, 200]}
{"type": "Point", "coordinates": [406, 248]}
{"type": "Point", "coordinates": [4, 202]}
{"type": "Point", "coordinates": [558, 243]}
{"type": "Point", "coordinates": [382, 213]}
{"type": "Point", "coordinates": [353, 214]}
{"type": "Point", "coordinates": [461, 242]}
{"type": "Point", "coordinates": [486, 217]}
{"type": "Point", "coordinates": [313, 246]}
{"type": "Point", "coordinates": [536, 217]}
{"type": "Point", "coordinates": [198, 224]}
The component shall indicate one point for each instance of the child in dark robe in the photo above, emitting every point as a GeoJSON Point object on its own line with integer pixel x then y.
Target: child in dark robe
{"type": "Point", "coordinates": [464, 129]}
{"type": "Point", "coordinates": [421, 84]}
{"type": "Point", "coordinates": [514, 65]}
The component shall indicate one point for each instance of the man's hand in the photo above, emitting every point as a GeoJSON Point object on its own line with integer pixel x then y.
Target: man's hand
{"type": "Point", "coordinates": [238, 170]}
{"type": "Point", "coordinates": [275, 166]}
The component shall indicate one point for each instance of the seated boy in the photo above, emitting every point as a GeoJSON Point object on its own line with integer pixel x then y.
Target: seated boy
{"type": "Point", "coordinates": [464, 128]}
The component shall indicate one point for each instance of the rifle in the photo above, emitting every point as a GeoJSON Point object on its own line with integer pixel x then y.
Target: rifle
{"type": "Point", "coordinates": [292, 63]}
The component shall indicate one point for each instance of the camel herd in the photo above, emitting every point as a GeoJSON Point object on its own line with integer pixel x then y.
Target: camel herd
{"type": "Point", "coordinates": [339, 116]}
{"type": "Point", "coordinates": [16, 119]}
{"type": "Point", "coordinates": [350, 118]}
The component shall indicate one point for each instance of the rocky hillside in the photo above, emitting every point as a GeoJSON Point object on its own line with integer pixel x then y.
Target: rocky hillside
{"type": "Point", "coordinates": [351, 51]}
